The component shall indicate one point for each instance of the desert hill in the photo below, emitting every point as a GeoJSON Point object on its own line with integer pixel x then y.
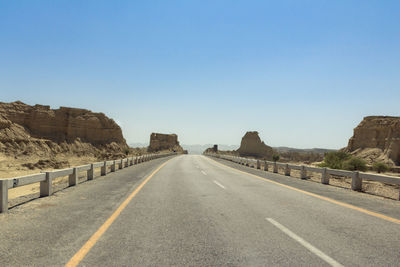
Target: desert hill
{"type": "Point", "coordinates": [251, 145]}
{"type": "Point", "coordinates": [30, 134]}
{"type": "Point", "coordinates": [162, 142]}
{"type": "Point", "coordinates": [377, 138]}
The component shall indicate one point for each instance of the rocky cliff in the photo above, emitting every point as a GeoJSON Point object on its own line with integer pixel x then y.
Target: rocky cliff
{"type": "Point", "coordinates": [252, 145]}
{"type": "Point", "coordinates": [26, 129]}
{"type": "Point", "coordinates": [159, 142]}
{"type": "Point", "coordinates": [377, 138]}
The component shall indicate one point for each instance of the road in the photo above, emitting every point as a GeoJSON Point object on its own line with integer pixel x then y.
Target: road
{"type": "Point", "coordinates": [191, 210]}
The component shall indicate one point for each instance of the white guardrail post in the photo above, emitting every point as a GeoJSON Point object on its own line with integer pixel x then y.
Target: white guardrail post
{"type": "Point", "coordinates": [103, 171]}
{"type": "Point", "coordinates": [287, 170]}
{"type": "Point", "coordinates": [265, 165]}
{"type": "Point", "coordinates": [356, 182]}
{"type": "Point", "coordinates": [324, 176]}
{"type": "Point", "coordinates": [3, 195]}
{"type": "Point", "coordinates": [113, 166]}
{"type": "Point", "coordinates": [46, 186]}
{"type": "Point", "coordinates": [303, 172]}
{"type": "Point", "coordinates": [90, 172]}
{"type": "Point", "coordinates": [275, 167]}
{"type": "Point", "coordinates": [73, 178]}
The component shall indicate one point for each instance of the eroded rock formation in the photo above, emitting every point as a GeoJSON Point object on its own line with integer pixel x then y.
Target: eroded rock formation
{"type": "Point", "coordinates": [377, 138]}
{"type": "Point", "coordinates": [159, 142]}
{"type": "Point", "coordinates": [252, 145]}
{"type": "Point", "coordinates": [40, 130]}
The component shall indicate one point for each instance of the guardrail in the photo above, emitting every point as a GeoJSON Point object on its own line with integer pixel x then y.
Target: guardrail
{"type": "Point", "coordinates": [46, 178]}
{"type": "Point", "coordinates": [356, 177]}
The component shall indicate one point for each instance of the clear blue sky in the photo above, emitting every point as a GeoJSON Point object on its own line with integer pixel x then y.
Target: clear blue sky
{"type": "Point", "coordinates": [302, 73]}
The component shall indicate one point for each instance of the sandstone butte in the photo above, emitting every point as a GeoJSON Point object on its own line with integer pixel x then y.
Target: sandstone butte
{"type": "Point", "coordinates": [251, 145]}
{"type": "Point", "coordinates": [39, 130]}
{"type": "Point", "coordinates": [159, 142]}
{"type": "Point", "coordinates": [377, 138]}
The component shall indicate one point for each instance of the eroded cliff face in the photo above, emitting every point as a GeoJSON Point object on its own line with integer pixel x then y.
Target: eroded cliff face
{"type": "Point", "coordinates": [160, 142]}
{"type": "Point", "coordinates": [39, 130]}
{"type": "Point", "coordinates": [377, 138]}
{"type": "Point", "coordinates": [252, 145]}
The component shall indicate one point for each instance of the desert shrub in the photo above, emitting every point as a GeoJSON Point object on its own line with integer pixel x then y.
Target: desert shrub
{"type": "Point", "coordinates": [380, 167]}
{"type": "Point", "coordinates": [302, 156]}
{"type": "Point", "coordinates": [354, 164]}
{"type": "Point", "coordinates": [275, 157]}
{"type": "Point", "coordinates": [335, 160]}
{"type": "Point", "coordinates": [126, 151]}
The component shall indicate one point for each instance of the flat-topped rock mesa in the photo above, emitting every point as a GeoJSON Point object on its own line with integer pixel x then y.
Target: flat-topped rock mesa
{"type": "Point", "coordinates": [35, 128]}
{"type": "Point", "coordinates": [377, 138]}
{"type": "Point", "coordinates": [252, 145]}
{"type": "Point", "coordinates": [160, 142]}
{"type": "Point", "coordinates": [63, 124]}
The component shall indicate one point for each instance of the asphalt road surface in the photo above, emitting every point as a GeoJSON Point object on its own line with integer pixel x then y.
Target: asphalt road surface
{"type": "Point", "coordinates": [196, 211]}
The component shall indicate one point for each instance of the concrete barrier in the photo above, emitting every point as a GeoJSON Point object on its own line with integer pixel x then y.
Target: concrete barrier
{"type": "Point", "coordinates": [46, 179]}
{"type": "Point", "coordinates": [356, 177]}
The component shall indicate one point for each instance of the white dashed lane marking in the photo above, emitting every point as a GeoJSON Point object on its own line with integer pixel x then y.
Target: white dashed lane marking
{"type": "Point", "coordinates": [220, 185]}
{"type": "Point", "coordinates": [305, 244]}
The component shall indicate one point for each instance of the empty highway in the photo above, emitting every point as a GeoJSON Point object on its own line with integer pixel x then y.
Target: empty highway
{"type": "Point", "coordinates": [191, 210]}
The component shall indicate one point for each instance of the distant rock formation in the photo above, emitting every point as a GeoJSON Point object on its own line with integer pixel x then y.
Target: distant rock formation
{"type": "Point", "coordinates": [213, 150]}
{"type": "Point", "coordinates": [252, 146]}
{"type": "Point", "coordinates": [377, 138]}
{"type": "Point", "coordinates": [160, 142]}
{"type": "Point", "coordinates": [40, 130]}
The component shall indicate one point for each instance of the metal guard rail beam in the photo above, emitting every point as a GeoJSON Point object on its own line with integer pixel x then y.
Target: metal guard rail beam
{"type": "Point", "coordinates": [46, 178]}
{"type": "Point", "coordinates": [356, 177]}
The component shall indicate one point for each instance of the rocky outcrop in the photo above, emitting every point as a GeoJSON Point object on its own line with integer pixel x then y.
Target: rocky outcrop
{"type": "Point", "coordinates": [40, 130]}
{"type": "Point", "coordinates": [252, 146]}
{"type": "Point", "coordinates": [377, 138]}
{"type": "Point", "coordinates": [160, 142]}
{"type": "Point", "coordinates": [63, 124]}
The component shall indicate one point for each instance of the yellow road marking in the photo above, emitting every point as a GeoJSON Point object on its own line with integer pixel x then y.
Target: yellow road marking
{"type": "Point", "coordinates": [375, 214]}
{"type": "Point", "coordinates": [78, 257]}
